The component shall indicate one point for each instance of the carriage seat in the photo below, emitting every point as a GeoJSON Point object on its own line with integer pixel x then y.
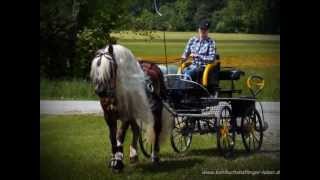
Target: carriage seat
{"type": "Point", "coordinates": [215, 66]}
{"type": "Point", "coordinates": [230, 74]}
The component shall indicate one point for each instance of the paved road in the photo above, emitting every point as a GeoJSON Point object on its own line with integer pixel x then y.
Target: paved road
{"type": "Point", "coordinates": [88, 107]}
{"type": "Point", "coordinates": [271, 112]}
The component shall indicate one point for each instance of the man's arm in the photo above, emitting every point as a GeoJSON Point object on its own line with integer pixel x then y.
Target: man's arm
{"type": "Point", "coordinates": [187, 49]}
{"type": "Point", "coordinates": [211, 54]}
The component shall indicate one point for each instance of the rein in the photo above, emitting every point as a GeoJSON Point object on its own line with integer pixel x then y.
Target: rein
{"type": "Point", "coordinates": [109, 92]}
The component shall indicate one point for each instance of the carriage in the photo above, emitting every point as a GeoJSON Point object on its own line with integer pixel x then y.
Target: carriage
{"type": "Point", "coordinates": [137, 93]}
{"type": "Point", "coordinates": [204, 107]}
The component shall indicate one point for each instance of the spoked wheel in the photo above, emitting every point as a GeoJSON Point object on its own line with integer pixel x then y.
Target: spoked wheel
{"type": "Point", "coordinates": [225, 132]}
{"type": "Point", "coordinates": [252, 130]}
{"type": "Point", "coordinates": [145, 146]}
{"type": "Point", "coordinates": [181, 135]}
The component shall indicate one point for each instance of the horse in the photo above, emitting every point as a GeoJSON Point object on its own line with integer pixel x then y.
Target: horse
{"type": "Point", "coordinates": [131, 92]}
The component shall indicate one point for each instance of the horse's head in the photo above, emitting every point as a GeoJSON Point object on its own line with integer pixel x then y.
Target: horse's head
{"type": "Point", "coordinates": [103, 73]}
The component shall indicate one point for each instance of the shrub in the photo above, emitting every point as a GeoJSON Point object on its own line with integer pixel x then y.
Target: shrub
{"type": "Point", "coordinates": [88, 42]}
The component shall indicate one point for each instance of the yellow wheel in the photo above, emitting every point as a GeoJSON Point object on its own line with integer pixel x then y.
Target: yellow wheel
{"type": "Point", "coordinates": [225, 132]}
{"type": "Point", "coordinates": [181, 135]}
{"type": "Point", "coordinates": [252, 130]}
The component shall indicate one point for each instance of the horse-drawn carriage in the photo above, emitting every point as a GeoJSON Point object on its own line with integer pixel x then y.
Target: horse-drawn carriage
{"type": "Point", "coordinates": [137, 93]}
{"type": "Point", "coordinates": [204, 107]}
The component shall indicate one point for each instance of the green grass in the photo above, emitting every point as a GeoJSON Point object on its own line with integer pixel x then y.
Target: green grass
{"type": "Point", "coordinates": [253, 53]}
{"type": "Point", "coordinates": [79, 89]}
{"type": "Point", "coordinates": [225, 48]}
{"type": "Point", "coordinates": [66, 89]}
{"type": "Point", "coordinates": [228, 44]}
{"type": "Point", "coordinates": [77, 147]}
{"type": "Point", "coordinates": [174, 36]}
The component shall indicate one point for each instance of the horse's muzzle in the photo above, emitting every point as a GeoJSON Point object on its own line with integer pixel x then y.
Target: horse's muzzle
{"type": "Point", "coordinates": [103, 91]}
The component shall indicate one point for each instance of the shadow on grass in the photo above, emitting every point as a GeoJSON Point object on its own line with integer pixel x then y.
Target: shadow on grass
{"type": "Point", "coordinates": [204, 152]}
{"type": "Point", "coordinates": [170, 165]}
{"type": "Point", "coordinates": [214, 152]}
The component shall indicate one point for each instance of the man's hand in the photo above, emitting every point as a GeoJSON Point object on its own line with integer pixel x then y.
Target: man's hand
{"type": "Point", "coordinates": [194, 55]}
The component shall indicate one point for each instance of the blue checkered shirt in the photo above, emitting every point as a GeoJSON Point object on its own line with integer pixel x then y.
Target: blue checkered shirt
{"type": "Point", "coordinates": [206, 49]}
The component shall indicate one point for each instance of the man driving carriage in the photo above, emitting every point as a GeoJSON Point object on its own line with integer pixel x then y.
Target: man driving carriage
{"type": "Point", "coordinates": [202, 49]}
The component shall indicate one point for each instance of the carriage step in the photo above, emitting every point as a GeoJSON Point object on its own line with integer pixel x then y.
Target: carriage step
{"type": "Point", "coordinates": [204, 130]}
{"type": "Point", "coordinates": [230, 91]}
{"type": "Point", "coordinates": [188, 111]}
{"type": "Point", "coordinates": [204, 116]}
{"type": "Point", "coordinates": [191, 115]}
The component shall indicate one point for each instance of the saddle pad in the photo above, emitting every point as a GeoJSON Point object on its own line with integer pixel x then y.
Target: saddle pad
{"type": "Point", "coordinates": [152, 70]}
{"type": "Point", "coordinates": [155, 74]}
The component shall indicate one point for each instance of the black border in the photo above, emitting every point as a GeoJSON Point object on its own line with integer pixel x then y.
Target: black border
{"type": "Point", "coordinates": [20, 90]}
{"type": "Point", "coordinates": [300, 72]}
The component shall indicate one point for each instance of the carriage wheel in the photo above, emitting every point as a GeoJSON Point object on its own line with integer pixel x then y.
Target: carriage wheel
{"type": "Point", "coordinates": [225, 132]}
{"type": "Point", "coordinates": [145, 146]}
{"type": "Point", "coordinates": [181, 135]}
{"type": "Point", "coordinates": [252, 130]}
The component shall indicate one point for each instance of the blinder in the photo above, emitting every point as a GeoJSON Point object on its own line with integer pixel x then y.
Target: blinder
{"type": "Point", "coordinates": [110, 90]}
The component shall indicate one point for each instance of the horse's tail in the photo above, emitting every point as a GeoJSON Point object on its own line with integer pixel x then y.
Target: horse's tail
{"type": "Point", "coordinates": [131, 96]}
{"type": "Point", "coordinates": [158, 94]}
{"type": "Point", "coordinates": [166, 127]}
{"type": "Point", "coordinates": [167, 124]}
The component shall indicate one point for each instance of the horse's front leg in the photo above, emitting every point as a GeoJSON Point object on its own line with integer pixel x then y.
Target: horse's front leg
{"type": "Point", "coordinates": [110, 116]}
{"type": "Point", "coordinates": [117, 151]}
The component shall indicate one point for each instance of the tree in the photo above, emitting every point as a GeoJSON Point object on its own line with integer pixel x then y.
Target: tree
{"type": "Point", "coordinates": [57, 37]}
{"type": "Point", "coordinates": [70, 30]}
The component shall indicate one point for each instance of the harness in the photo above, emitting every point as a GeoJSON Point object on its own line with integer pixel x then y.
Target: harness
{"type": "Point", "coordinates": [153, 73]}
{"type": "Point", "coordinates": [110, 90]}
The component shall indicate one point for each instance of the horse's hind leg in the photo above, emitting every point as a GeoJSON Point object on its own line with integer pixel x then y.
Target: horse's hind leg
{"type": "Point", "coordinates": [157, 128]}
{"type": "Point", "coordinates": [122, 133]}
{"type": "Point", "coordinates": [134, 143]}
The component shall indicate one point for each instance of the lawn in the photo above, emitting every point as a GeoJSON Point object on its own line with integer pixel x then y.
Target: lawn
{"type": "Point", "coordinates": [77, 147]}
{"type": "Point", "coordinates": [253, 53]}
{"type": "Point", "coordinates": [241, 45]}
{"type": "Point", "coordinates": [183, 36]}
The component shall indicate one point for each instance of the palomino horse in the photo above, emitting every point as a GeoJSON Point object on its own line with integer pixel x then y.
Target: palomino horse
{"type": "Point", "coordinates": [132, 93]}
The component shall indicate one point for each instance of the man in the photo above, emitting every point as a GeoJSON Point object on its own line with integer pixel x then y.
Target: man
{"type": "Point", "coordinates": [202, 49]}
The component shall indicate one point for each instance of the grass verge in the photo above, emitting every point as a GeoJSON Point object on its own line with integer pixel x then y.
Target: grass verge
{"type": "Point", "coordinates": [77, 147]}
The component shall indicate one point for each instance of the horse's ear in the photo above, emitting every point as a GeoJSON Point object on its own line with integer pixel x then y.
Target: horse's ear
{"type": "Point", "coordinates": [110, 49]}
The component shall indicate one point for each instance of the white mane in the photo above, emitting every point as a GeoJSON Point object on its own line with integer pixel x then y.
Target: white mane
{"type": "Point", "coordinates": [100, 73]}
{"type": "Point", "coordinates": [130, 93]}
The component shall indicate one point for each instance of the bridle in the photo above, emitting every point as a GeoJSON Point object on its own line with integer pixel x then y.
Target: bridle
{"type": "Point", "coordinates": [111, 82]}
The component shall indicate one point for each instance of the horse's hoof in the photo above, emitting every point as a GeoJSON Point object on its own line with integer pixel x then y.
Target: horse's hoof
{"type": "Point", "coordinates": [155, 160]}
{"type": "Point", "coordinates": [134, 159]}
{"type": "Point", "coordinates": [114, 170]}
{"type": "Point", "coordinates": [111, 162]}
{"type": "Point", "coordinates": [116, 165]}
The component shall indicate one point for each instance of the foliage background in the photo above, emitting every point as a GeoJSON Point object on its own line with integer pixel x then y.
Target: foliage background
{"type": "Point", "coordinates": [72, 30]}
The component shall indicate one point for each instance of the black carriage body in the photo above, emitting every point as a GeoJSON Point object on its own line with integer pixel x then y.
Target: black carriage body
{"type": "Point", "coordinates": [187, 95]}
{"type": "Point", "coordinates": [241, 106]}
{"type": "Point", "coordinates": [199, 109]}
